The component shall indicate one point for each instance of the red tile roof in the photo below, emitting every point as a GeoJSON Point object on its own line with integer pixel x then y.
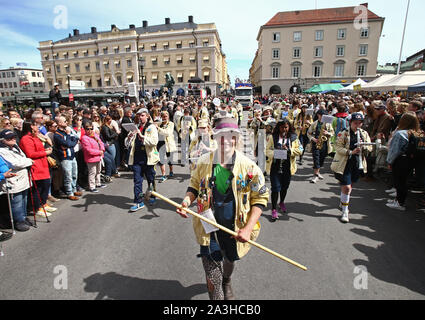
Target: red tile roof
{"type": "Point", "coordinates": [317, 16]}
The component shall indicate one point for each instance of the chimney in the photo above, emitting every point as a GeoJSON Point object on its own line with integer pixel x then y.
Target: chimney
{"type": "Point", "coordinates": [93, 30]}
{"type": "Point", "coordinates": [76, 32]}
{"type": "Point", "coordinates": [145, 24]}
{"type": "Point", "coordinates": [190, 19]}
{"type": "Point", "coordinates": [113, 26]}
{"type": "Point", "coordinates": [69, 36]}
{"type": "Point", "coordinates": [167, 20]}
{"type": "Point", "coordinates": [365, 4]}
{"type": "Point", "coordinates": [132, 26]}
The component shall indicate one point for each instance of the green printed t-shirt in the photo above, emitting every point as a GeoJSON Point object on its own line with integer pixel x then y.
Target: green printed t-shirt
{"type": "Point", "coordinates": [222, 176]}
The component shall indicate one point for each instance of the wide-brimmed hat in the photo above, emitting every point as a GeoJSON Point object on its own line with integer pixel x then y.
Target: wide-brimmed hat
{"type": "Point", "coordinates": [224, 125]}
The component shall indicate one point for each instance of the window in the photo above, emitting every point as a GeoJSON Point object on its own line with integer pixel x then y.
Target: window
{"type": "Point", "coordinates": [361, 69]}
{"type": "Point", "coordinates": [275, 72]}
{"type": "Point", "coordinates": [340, 51]}
{"type": "Point", "coordinates": [77, 67]}
{"type": "Point", "coordinates": [179, 45]}
{"type": "Point", "coordinates": [117, 64]}
{"type": "Point", "coordinates": [276, 54]}
{"type": "Point", "coordinates": [339, 70]}
{"type": "Point", "coordinates": [58, 69]}
{"type": "Point", "coordinates": [13, 74]}
{"type": "Point", "coordinates": [107, 82]}
{"type": "Point", "coordinates": [317, 71]}
{"type": "Point", "coordinates": [89, 84]}
{"type": "Point", "coordinates": [318, 52]}
{"type": "Point", "coordinates": [86, 53]}
{"type": "Point", "coordinates": [296, 71]}
{"type": "Point", "coordinates": [66, 55]}
{"type": "Point", "coordinates": [364, 33]}
{"type": "Point", "coordinates": [117, 50]}
{"type": "Point", "coordinates": [119, 80]}
{"type": "Point", "coordinates": [191, 44]}
{"type": "Point", "coordinates": [76, 54]}
{"type": "Point", "coordinates": [4, 74]}
{"type": "Point", "coordinates": [106, 65]}
{"type": "Point", "coordinates": [88, 67]}
{"type": "Point", "coordinates": [142, 48]}
{"type": "Point", "coordinates": [167, 60]}
{"type": "Point", "coordinates": [1, 85]}
{"type": "Point", "coordinates": [296, 53]}
{"type": "Point", "coordinates": [297, 36]}
{"type": "Point", "coordinates": [99, 83]}
{"type": "Point", "coordinates": [179, 60]}
{"type": "Point", "coordinates": [15, 85]}
{"type": "Point", "coordinates": [180, 78]}
{"type": "Point", "coordinates": [153, 47]}
{"type": "Point", "coordinates": [129, 63]}
{"type": "Point", "coordinates": [97, 65]}
{"type": "Point", "coordinates": [67, 68]}
{"type": "Point", "coordinates": [96, 52]}
{"type": "Point", "coordinates": [5, 85]}
{"type": "Point", "coordinates": [319, 35]}
{"type": "Point", "coordinates": [105, 50]}
{"type": "Point", "coordinates": [206, 43]}
{"type": "Point", "coordinates": [363, 50]}
{"type": "Point", "coordinates": [166, 46]}
{"type": "Point", "coordinates": [206, 78]}
{"type": "Point", "coordinates": [128, 49]}
{"type": "Point", "coordinates": [276, 36]}
{"type": "Point", "coordinates": [342, 34]}
{"type": "Point", "coordinates": [46, 57]}
{"type": "Point", "coordinates": [154, 61]}
{"type": "Point", "coordinates": [192, 60]}
{"type": "Point", "coordinates": [33, 74]}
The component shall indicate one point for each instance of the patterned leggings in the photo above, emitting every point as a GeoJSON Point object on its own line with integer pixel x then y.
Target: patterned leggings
{"type": "Point", "coordinates": [215, 271]}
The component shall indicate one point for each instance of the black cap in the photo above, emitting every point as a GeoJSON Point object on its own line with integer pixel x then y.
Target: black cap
{"type": "Point", "coordinates": [322, 112]}
{"type": "Point", "coordinates": [357, 116]}
{"type": "Point", "coordinates": [7, 134]}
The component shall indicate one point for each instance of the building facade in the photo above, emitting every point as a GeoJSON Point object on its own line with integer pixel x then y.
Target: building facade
{"type": "Point", "coordinates": [415, 62]}
{"type": "Point", "coordinates": [21, 80]}
{"type": "Point", "coordinates": [112, 59]}
{"type": "Point", "coordinates": [315, 46]}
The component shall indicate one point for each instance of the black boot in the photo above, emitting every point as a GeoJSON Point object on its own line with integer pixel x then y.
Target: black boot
{"type": "Point", "coordinates": [227, 289]}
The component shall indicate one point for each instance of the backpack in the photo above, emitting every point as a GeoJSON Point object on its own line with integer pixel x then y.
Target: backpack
{"type": "Point", "coordinates": [341, 125]}
{"type": "Point", "coordinates": [416, 146]}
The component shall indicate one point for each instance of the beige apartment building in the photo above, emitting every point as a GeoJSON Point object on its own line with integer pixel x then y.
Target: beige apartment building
{"type": "Point", "coordinates": [316, 46]}
{"type": "Point", "coordinates": [111, 59]}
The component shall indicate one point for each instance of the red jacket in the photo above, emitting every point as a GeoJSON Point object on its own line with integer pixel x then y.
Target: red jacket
{"type": "Point", "coordinates": [34, 149]}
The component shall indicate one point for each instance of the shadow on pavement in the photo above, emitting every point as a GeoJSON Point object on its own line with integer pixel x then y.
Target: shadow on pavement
{"type": "Point", "coordinates": [119, 287]}
{"type": "Point", "coordinates": [99, 199]}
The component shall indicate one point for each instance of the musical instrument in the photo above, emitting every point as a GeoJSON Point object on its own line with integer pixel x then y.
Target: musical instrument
{"type": "Point", "coordinates": [322, 139]}
{"type": "Point", "coordinates": [359, 139]}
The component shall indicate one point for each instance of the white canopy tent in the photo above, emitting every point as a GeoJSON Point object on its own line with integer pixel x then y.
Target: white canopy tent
{"type": "Point", "coordinates": [350, 88]}
{"type": "Point", "coordinates": [377, 82]}
{"type": "Point", "coordinates": [400, 82]}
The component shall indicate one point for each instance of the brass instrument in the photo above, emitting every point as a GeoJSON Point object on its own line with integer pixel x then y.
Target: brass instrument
{"type": "Point", "coordinates": [322, 139]}
{"type": "Point", "coordinates": [305, 128]}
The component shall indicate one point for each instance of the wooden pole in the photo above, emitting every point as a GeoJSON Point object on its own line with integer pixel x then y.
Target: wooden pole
{"type": "Point", "coordinates": [231, 232]}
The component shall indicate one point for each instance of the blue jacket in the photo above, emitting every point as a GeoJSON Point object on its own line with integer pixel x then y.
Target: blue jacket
{"type": "Point", "coordinates": [398, 147]}
{"type": "Point", "coordinates": [65, 144]}
{"type": "Point", "coordinates": [3, 168]}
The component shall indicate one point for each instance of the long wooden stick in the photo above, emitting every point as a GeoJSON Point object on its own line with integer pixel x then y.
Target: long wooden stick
{"type": "Point", "coordinates": [231, 232]}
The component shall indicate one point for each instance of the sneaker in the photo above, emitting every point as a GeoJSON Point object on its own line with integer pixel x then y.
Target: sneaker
{"type": "Point", "coordinates": [94, 190]}
{"type": "Point", "coordinates": [393, 195]}
{"type": "Point", "coordinates": [152, 201]}
{"type": "Point", "coordinates": [41, 213]}
{"type": "Point", "coordinates": [137, 207]}
{"type": "Point", "coordinates": [344, 217]}
{"type": "Point", "coordinates": [162, 179]}
{"type": "Point", "coordinates": [5, 236]}
{"type": "Point", "coordinates": [391, 190]}
{"type": "Point", "coordinates": [101, 186]}
{"type": "Point", "coordinates": [50, 208]}
{"type": "Point", "coordinates": [283, 208]}
{"type": "Point", "coordinates": [314, 180]}
{"type": "Point", "coordinates": [171, 175]}
{"type": "Point", "coordinates": [274, 215]}
{"type": "Point", "coordinates": [117, 175]}
{"type": "Point", "coordinates": [395, 205]}
{"type": "Point", "coordinates": [320, 177]}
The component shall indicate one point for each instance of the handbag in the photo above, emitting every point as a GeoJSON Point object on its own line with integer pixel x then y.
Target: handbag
{"type": "Point", "coordinates": [53, 164]}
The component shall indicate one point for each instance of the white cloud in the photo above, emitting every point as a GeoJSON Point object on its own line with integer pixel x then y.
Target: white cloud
{"type": "Point", "coordinates": [12, 38]}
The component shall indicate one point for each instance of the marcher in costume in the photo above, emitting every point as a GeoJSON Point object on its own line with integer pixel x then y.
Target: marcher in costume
{"type": "Point", "coordinates": [166, 145]}
{"type": "Point", "coordinates": [319, 135]}
{"type": "Point", "coordinates": [283, 138]}
{"type": "Point", "coordinates": [233, 187]}
{"type": "Point", "coordinates": [346, 164]}
{"type": "Point", "coordinates": [303, 122]}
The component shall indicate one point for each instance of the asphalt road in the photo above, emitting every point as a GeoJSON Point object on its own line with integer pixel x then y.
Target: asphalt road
{"type": "Point", "coordinates": [110, 253]}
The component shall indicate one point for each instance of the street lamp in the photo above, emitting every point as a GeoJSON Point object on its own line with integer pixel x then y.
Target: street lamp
{"type": "Point", "coordinates": [142, 63]}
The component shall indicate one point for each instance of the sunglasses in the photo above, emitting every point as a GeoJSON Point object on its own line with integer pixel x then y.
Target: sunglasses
{"type": "Point", "coordinates": [89, 128]}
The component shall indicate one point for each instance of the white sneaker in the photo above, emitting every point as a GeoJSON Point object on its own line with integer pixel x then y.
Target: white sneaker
{"type": "Point", "coordinates": [321, 177]}
{"type": "Point", "coordinates": [391, 190]}
{"type": "Point", "coordinates": [41, 213]}
{"type": "Point", "coordinates": [314, 180]}
{"type": "Point", "coordinates": [393, 194]}
{"type": "Point", "coordinates": [344, 217]}
{"type": "Point", "coordinates": [396, 205]}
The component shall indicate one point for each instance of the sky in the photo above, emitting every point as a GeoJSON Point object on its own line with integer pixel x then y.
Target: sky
{"type": "Point", "coordinates": [23, 23]}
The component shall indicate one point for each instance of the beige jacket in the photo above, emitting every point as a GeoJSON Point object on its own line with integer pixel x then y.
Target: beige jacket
{"type": "Point", "coordinates": [328, 127]}
{"type": "Point", "coordinates": [150, 142]}
{"type": "Point", "coordinates": [342, 148]}
{"type": "Point", "coordinates": [168, 134]}
{"type": "Point", "coordinates": [256, 193]}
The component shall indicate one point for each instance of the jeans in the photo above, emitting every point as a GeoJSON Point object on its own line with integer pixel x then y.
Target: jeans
{"type": "Point", "coordinates": [109, 159]}
{"type": "Point", "coordinates": [18, 202]}
{"type": "Point", "coordinates": [70, 175]}
{"type": "Point", "coordinates": [139, 170]}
